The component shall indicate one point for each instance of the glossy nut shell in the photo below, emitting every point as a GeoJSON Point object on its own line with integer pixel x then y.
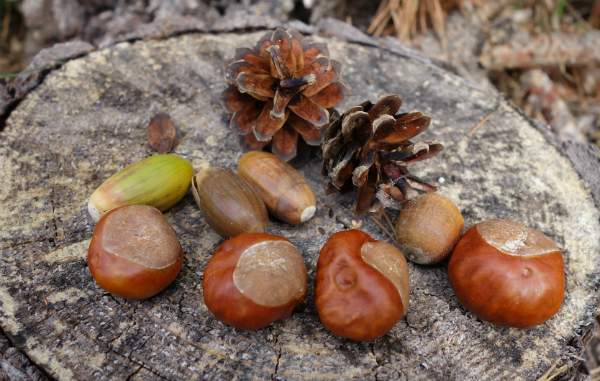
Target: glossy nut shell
{"type": "Point", "coordinates": [428, 228]}
{"type": "Point", "coordinates": [229, 204]}
{"type": "Point", "coordinates": [253, 280]}
{"type": "Point", "coordinates": [134, 252]}
{"type": "Point", "coordinates": [287, 194]}
{"type": "Point", "coordinates": [508, 274]}
{"type": "Point", "coordinates": [361, 286]}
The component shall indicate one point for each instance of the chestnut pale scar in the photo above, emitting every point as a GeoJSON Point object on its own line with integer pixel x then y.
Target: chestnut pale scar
{"type": "Point", "coordinates": [271, 273]}
{"type": "Point", "coordinates": [390, 262]}
{"type": "Point", "coordinates": [515, 239]}
{"type": "Point", "coordinates": [140, 234]}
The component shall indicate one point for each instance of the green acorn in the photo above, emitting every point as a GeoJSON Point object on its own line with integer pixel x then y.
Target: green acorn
{"type": "Point", "coordinates": [160, 181]}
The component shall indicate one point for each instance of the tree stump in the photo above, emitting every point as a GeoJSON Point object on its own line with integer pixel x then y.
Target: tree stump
{"type": "Point", "coordinates": [87, 120]}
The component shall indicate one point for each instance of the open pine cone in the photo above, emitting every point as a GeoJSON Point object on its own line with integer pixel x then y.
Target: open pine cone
{"type": "Point", "coordinates": [281, 88]}
{"type": "Point", "coordinates": [370, 144]}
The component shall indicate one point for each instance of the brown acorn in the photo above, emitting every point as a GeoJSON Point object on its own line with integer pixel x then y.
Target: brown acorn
{"type": "Point", "coordinates": [280, 89]}
{"type": "Point", "coordinates": [229, 204]}
{"type": "Point", "coordinates": [287, 195]}
{"type": "Point", "coordinates": [369, 147]}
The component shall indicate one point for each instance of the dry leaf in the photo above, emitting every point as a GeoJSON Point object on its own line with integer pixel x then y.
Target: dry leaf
{"type": "Point", "coordinates": [161, 133]}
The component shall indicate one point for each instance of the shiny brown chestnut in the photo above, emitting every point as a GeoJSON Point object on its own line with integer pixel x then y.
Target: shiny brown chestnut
{"type": "Point", "coordinates": [287, 194]}
{"type": "Point", "coordinates": [229, 204]}
{"type": "Point", "coordinates": [134, 253]}
{"type": "Point", "coordinates": [253, 280]}
{"type": "Point", "coordinates": [361, 286]}
{"type": "Point", "coordinates": [508, 274]}
{"type": "Point", "coordinates": [428, 228]}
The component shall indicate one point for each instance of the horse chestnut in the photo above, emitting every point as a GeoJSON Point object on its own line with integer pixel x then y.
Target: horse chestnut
{"type": "Point", "coordinates": [134, 252]}
{"type": "Point", "coordinates": [508, 274]}
{"type": "Point", "coordinates": [361, 286]}
{"type": "Point", "coordinates": [428, 228]}
{"type": "Point", "coordinates": [253, 280]}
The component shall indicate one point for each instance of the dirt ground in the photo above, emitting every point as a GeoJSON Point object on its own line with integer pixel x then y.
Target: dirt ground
{"type": "Point", "coordinates": [544, 55]}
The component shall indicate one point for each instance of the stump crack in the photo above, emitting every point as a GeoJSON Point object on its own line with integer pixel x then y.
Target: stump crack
{"type": "Point", "coordinates": [275, 334]}
{"type": "Point", "coordinates": [377, 360]}
{"type": "Point", "coordinates": [17, 244]}
{"type": "Point", "coordinates": [55, 235]}
{"type": "Point", "coordinates": [134, 373]}
{"type": "Point", "coordinates": [39, 369]}
{"type": "Point", "coordinates": [277, 364]}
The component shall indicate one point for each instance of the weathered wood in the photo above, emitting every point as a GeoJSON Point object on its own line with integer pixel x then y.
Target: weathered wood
{"type": "Point", "coordinates": [88, 119]}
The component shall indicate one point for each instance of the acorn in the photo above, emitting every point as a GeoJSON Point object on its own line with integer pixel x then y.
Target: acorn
{"type": "Point", "coordinates": [160, 181]}
{"type": "Point", "coordinates": [428, 228]}
{"type": "Point", "coordinates": [287, 194]}
{"type": "Point", "coordinates": [229, 204]}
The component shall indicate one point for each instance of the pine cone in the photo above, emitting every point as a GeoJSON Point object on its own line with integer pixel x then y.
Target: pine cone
{"type": "Point", "coordinates": [370, 144]}
{"type": "Point", "coordinates": [281, 88]}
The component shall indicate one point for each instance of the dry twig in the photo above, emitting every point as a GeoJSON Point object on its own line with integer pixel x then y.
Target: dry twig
{"type": "Point", "coordinates": [481, 123]}
{"type": "Point", "coordinates": [547, 377]}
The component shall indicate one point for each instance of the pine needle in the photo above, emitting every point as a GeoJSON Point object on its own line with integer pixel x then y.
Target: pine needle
{"type": "Point", "coordinates": [383, 227]}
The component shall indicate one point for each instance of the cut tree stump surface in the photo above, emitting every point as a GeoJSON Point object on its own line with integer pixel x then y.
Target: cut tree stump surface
{"type": "Point", "coordinates": [88, 120]}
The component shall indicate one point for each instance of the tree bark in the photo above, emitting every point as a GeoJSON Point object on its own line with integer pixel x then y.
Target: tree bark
{"type": "Point", "coordinates": [88, 119]}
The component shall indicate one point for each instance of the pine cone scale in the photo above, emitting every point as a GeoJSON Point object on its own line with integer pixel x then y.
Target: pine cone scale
{"type": "Point", "coordinates": [329, 96]}
{"type": "Point", "coordinates": [407, 129]}
{"type": "Point", "coordinates": [260, 84]}
{"type": "Point", "coordinates": [311, 135]}
{"type": "Point", "coordinates": [253, 57]}
{"type": "Point", "coordinates": [313, 50]}
{"type": "Point", "coordinates": [265, 126]}
{"type": "Point", "coordinates": [387, 105]}
{"type": "Point", "coordinates": [298, 43]}
{"type": "Point", "coordinates": [316, 68]}
{"type": "Point", "coordinates": [283, 40]}
{"type": "Point", "coordinates": [244, 120]}
{"type": "Point", "coordinates": [356, 126]}
{"type": "Point", "coordinates": [249, 55]}
{"type": "Point", "coordinates": [308, 110]}
{"type": "Point", "coordinates": [284, 143]}
{"type": "Point", "coordinates": [232, 100]}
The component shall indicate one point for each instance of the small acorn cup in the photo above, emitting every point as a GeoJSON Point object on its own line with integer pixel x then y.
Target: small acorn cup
{"type": "Point", "coordinates": [428, 228]}
{"type": "Point", "coordinates": [508, 274]}
{"type": "Point", "coordinates": [134, 252]}
{"type": "Point", "coordinates": [229, 204]}
{"type": "Point", "coordinates": [287, 194]}
{"type": "Point", "coordinates": [361, 286]}
{"type": "Point", "coordinates": [253, 280]}
{"type": "Point", "coordinates": [160, 181]}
